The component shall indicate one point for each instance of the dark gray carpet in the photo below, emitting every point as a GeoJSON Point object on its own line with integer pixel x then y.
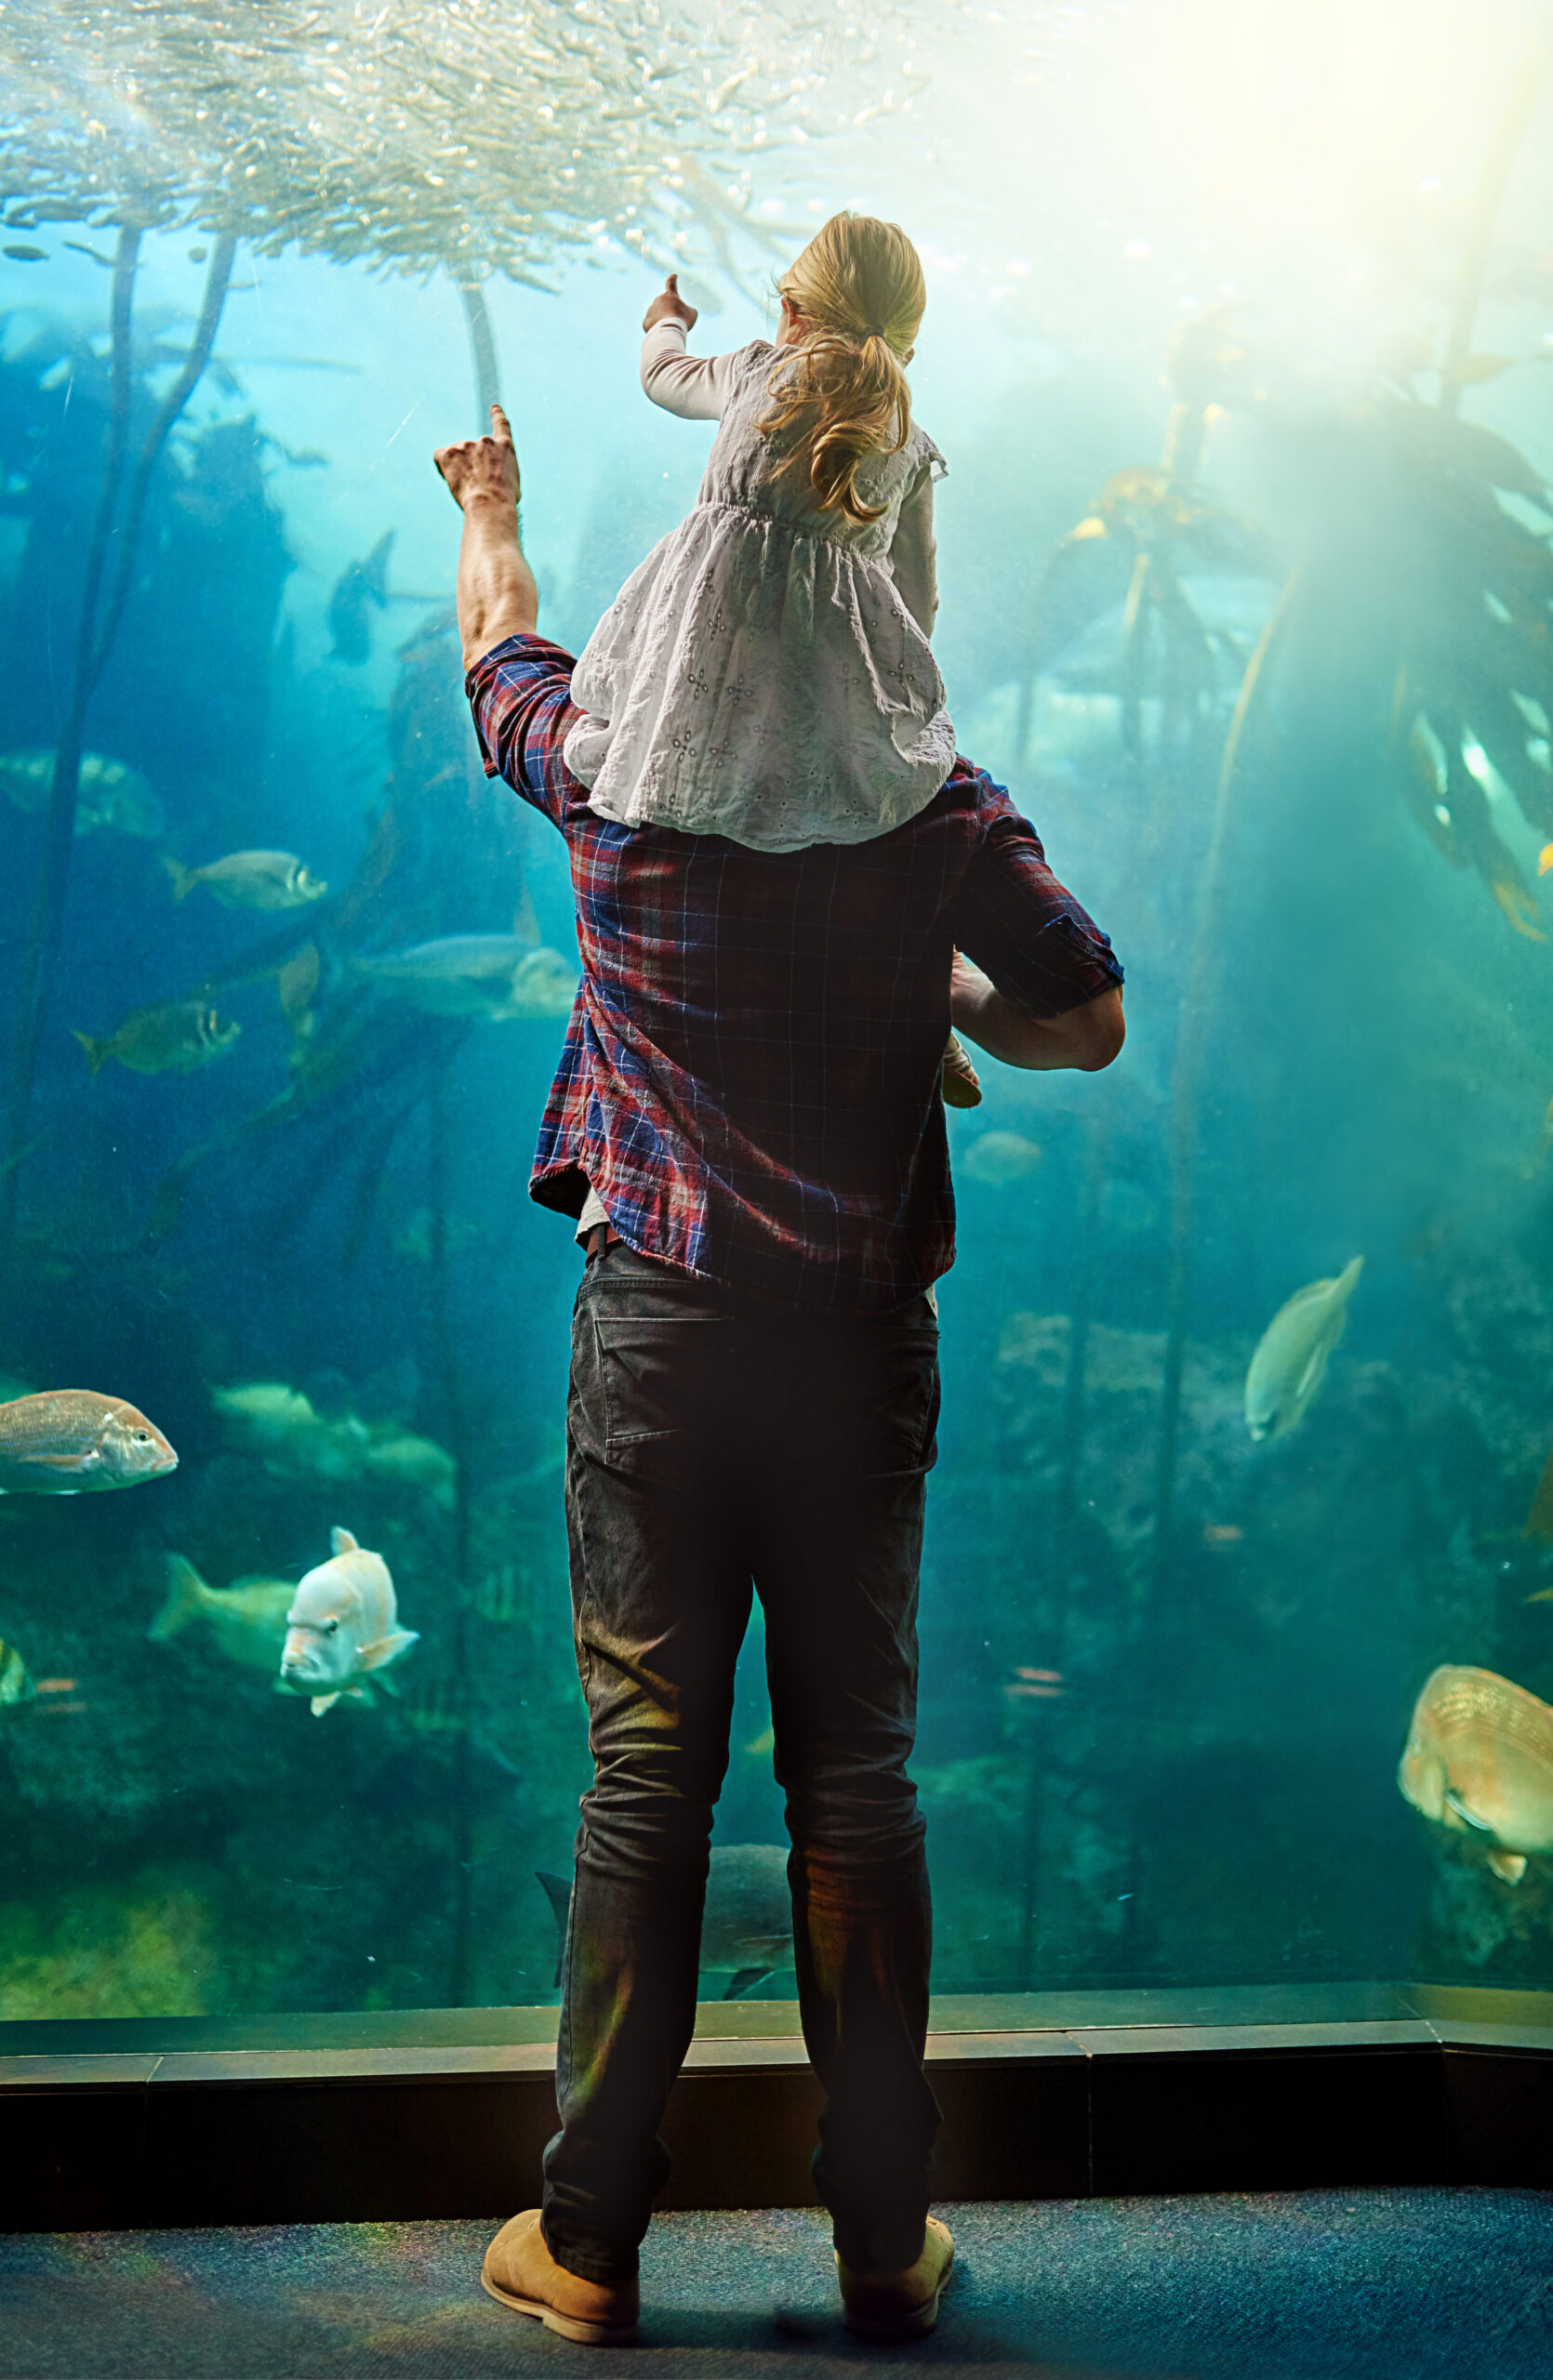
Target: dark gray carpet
{"type": "Point", "coordinates": [1350, 2285]}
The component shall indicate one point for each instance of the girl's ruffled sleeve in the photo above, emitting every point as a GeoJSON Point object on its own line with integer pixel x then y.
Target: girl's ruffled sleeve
{"type": "Point", "coordinates": [913, 551]}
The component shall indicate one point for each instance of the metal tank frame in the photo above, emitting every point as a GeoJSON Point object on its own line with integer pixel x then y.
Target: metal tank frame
{"type": "Point", "coordinates": [412, 2114]}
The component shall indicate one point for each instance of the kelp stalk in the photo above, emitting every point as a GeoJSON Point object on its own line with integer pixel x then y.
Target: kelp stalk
{"type": "Point", "coordinates": [1190, 1049]}
{"type": "Point", "coordinates": [481, 348]}
{"type": "Point", "coordinates": [461, 1956]}
{"type": "Point", "coordinates": [94, 645]}
{"type": "Point", "coordinates": [1516, 122]}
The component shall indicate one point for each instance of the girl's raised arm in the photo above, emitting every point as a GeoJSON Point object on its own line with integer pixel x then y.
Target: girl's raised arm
{"type": "Point", "coordinates": [914, 552]}
{"type": "Point", "coordinates": [696, 387]}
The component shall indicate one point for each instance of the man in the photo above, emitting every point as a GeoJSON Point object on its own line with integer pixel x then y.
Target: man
{"type": "Point", "coordinates": [746, 1123]}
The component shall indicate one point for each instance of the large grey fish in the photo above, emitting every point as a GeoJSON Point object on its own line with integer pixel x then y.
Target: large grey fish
{"type": "Point", "coordinates": [494, 975]}
{"type": "Point", "coordinates": [111, 794]}
{"type": "Point", "coordinates": [173, 1038]}
{"type": "Point", "coordinates": [747, 1921]}
{"type": "Point", "coordinates": [71, 1442]}
{"type": "Point", "coordinates": [1480, 1759]}
{"type": "Point", "coordinates": [1291, 1357]}
{"type": "Point", "coordinates": [343, 1626]}
{"type": "Point", "coordinates": [247, 1621]}
{"type": "Point", "coordinates": [249, 880]}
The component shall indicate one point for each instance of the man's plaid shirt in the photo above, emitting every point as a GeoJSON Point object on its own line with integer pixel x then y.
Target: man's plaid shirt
{"type": "Point", "coordinates": [750, 1079]}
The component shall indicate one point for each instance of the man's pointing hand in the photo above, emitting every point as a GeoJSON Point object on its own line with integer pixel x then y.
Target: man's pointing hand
{"type": "Point", "coordinates": [479, 470]}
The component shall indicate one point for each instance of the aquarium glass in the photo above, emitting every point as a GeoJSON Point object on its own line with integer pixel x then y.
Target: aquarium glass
{"type": "Point", "coordinates": [1238, 345]}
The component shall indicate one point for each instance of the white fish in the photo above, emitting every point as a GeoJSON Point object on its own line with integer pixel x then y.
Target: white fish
{"type": "Point", "coordinates": [111, 794]}
{"type": "Point", "coordinates": [342, 1627]}
{"type": "Point", "coordinates": [999, 1159]}
{"type": "Point", "coordinates": [1291, 1357]}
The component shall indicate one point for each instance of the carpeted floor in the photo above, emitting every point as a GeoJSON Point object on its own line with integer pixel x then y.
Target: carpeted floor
{"type": "Point", "coordinates": [1350, 2285]}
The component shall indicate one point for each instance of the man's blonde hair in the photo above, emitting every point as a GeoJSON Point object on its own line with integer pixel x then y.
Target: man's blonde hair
{"type": "Point", "coordinates": [859, 288]}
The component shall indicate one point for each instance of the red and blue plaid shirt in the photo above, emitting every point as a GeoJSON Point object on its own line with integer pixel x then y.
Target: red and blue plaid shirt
{"type": "Point", "coordinates": [750, 1079]}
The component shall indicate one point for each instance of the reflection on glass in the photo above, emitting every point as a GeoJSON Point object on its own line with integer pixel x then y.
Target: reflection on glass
{"type": "Point", "coordinates": [1235, 1615]}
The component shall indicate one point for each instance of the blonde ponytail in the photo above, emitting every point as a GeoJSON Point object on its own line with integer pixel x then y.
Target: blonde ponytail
{"type": "Point", "coordinates": [858, 287]}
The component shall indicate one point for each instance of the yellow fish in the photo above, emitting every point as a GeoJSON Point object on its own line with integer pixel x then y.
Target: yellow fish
{"type": "Point", "coordinates": [247, 1621]}
{"type": "Point", "coordinates": [1479, 1760]}
{"type": "Point", "coordinates": [173, 1039]}
{"type": "Point", "coordinates": [1291, 1358]}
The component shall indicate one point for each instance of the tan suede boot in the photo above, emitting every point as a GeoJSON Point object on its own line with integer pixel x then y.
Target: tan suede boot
{"type": "Point", "coordinates": [520, 2271]}
{"type": "Point", "coordinates": [899, 2304]}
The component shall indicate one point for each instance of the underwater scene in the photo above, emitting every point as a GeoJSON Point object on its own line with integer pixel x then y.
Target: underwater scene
{"type": "Point", "coordinates": [1237, 1615]}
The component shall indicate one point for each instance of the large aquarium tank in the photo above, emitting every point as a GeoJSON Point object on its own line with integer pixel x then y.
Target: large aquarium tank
{"type": "Point", "coordinates": [1240, 347]}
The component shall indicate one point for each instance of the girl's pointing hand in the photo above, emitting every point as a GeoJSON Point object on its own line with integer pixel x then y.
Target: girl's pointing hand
{"type": "Point", "coordinates": [669, 307]}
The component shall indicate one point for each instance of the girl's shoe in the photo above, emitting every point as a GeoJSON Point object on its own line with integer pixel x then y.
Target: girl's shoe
{"type": "Point", "coordinates": [520, 2271]}
{"type": "Point", "coordinates": [960, 1081]}
{"type": "Point", "coordinates": [899, 2304]}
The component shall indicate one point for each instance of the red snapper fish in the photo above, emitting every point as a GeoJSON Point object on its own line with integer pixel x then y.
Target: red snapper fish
{"type": "Point", "coordinates": [72, 1442]}
{"type": "Point", "coordinates": [342, 1627]}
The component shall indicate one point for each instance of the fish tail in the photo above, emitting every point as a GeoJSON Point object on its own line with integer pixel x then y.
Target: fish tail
{"type": "Point", "coordinates": [96, 1050]}
{"type": "Point", "coordinates": [186, 1592]}
{"type": "Point", "coordinates": [183, 878]}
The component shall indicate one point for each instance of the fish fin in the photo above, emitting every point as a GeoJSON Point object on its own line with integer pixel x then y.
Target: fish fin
{"type": "Point", "coordinates": [321, 1702]}
{"type": "Point", "coordinates": [1467, 1818]}
{"type": "Point", "coordinates": [185, 1590]}
{"type": "Point", "coordinates": [389, 1683]}
{"type": "Point", "coordinates": [558, 1891]}
{"type": "Point", "coordinates": [341, 1542]}
{"type": "Point", "coordinates": [183, 879]}
{"type": "Point", "coordinates": [96, 1050]}
{"type": "Point", "coordinates": [1508, 1866]}
{"type": "Point", "coordinates": [388, 1648]}
{"type": "Point", "coordinates": [526, 923]}
{"type": "Point", "coordinates": [373, 569]}
{"type": "Point", "coordinates": [745, 1980]}
{"type": "Point", "coordinates": [1543, 1595]}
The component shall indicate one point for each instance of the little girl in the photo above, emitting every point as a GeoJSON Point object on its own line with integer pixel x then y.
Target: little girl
{"type": "Point", "coordinates": [766, 674]}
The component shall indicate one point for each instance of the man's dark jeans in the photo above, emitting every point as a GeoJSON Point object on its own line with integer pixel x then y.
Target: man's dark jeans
{"type": "Point", "coordinates": [712, 1444]}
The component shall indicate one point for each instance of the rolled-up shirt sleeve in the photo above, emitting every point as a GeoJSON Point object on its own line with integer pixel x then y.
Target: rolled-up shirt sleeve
{"type": "Point", "coordinates": [520, 694]}
{"type": "Point", "coordinates": [1023, 928]}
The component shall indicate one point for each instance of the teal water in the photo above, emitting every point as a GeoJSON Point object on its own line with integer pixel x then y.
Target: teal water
{"type": "Point", "coordinates": [1164, 1693]}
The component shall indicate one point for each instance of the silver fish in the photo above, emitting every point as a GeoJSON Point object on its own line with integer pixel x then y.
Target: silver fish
{"type": "Point", "coordinates": [342, 1626]}
{"type": "Point", "coordinates": [72, 1442]}
{"type": "Point", "coordinates": [249, 880]}
{"type": "Point", "coordinates": [1291, 1358]}
{"type": "Point", "coordinates": [494, 975]}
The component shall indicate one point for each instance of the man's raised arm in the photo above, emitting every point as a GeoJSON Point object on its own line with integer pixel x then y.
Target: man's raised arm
{"type": "Point", "coordinates": [496, 596]}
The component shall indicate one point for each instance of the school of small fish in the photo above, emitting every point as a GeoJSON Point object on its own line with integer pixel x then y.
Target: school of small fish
{"type": "Point", "coordinates": [344, 132]}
